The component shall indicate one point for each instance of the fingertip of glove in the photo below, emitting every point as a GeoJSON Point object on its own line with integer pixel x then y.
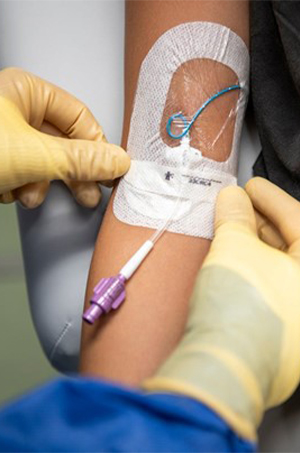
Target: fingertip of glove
{"type": "Point", "coordinates": [254, 184]}
{"type": "Point", "coordinates": [88, 198]}
{"type": "Point", "coordinates": [31, 200]}
{"type": "Point", "coordinates": [121, 160]}
{"type": "Point", "coordinates": [125, 163]}
{"type": "Point", "coordinates": [234, 205]}
{"type": "Point", "coordinates": [7, 198]}
{"type": "Point", "coordinates": [230, 193]}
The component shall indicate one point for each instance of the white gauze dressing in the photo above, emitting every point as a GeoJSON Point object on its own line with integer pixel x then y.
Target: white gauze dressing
{"type": "Point", "coordinates": [147, 194]}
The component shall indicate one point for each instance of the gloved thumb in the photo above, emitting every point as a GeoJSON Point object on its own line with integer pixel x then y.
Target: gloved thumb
{"type": "Point", "coordinates": [277, 206]}
{"type": "Point", "coordinates": [234, 207]}
{"type": "Point", "coordinates": [86, 160]}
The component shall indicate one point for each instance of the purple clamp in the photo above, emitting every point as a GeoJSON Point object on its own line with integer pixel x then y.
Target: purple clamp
{"type": "Point", "coordinates": [108, 295]}
{"type": "Point", "coordinates": [110, 292]}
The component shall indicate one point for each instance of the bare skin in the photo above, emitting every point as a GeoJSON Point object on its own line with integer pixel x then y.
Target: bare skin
{"type": "Point", "coordinates": [129, 345]}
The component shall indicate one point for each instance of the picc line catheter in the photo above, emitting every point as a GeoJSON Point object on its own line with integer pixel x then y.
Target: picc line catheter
{"type": "Point", "coordinates": [110, 292]}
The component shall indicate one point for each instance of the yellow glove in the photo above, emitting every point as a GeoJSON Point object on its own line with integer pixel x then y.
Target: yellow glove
{"type": "Point", "coordinates": [29, 158]}
{"type": "Point", "coordinates": [240, 353]}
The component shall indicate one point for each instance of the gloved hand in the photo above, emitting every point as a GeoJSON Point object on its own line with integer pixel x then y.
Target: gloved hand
{"type": "Point", "coordinates": [240, 353]}
{"type": "Point", "coordinates": [29, 158]}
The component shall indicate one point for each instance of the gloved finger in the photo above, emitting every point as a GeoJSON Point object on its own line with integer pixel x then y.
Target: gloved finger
{"type": "Point", "coordinates": [268, 233]}
{"type": "Point", "coordinates": [72, 117]}
{"type": "Point", "coordinates": [277, 206]}
{"type": "Point", "coordinates": [87, 194]}
{"type": "Point", "coordinates": [49, 129]}
{"type": "Point", "coordinates": [32, 195]}
{"type": "Point", "coordinates": [234, 206]}
{"type": "Point", "coordinates": [84, 126]}
{"type": "Point", "coordinates": [53, 104]}
{"type": "Point", "coordinates": [86, 160]}
{"type": "Point", "coordinates": [7, 197]}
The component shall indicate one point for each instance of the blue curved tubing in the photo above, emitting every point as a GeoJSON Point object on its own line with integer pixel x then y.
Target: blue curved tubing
{"type": "Point", "coordinates": [187, 126]}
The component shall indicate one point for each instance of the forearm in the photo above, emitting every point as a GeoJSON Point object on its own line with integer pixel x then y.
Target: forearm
{"type": "Point", "coordinates": [130, 345]}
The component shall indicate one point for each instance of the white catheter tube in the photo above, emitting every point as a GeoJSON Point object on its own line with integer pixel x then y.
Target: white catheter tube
{"type": "Point", "coordinates": [134, 262]}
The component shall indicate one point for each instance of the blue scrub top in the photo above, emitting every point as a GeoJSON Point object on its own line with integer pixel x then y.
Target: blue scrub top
{"type": "Point", "coordinates": [85, 415]}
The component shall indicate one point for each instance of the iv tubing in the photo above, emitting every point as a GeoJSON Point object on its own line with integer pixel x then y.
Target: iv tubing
{"type": "Point", "coordinates": [189, 125]}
